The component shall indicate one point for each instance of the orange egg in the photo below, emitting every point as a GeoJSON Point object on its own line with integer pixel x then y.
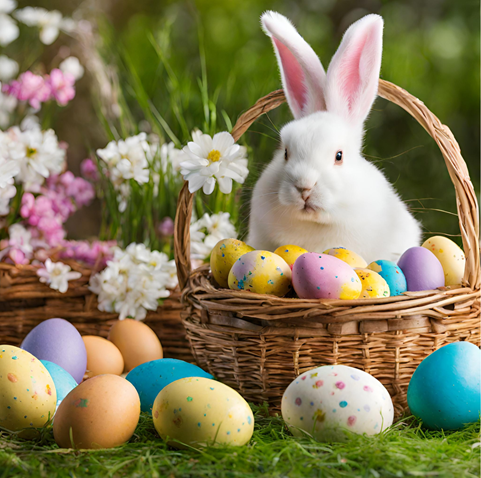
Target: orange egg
{"type": "Point", "coordinates": [101, 412]}
{"type": "Point", "coordinates": [136, 341]}
{"type": "Point", "coordinates": [102, 356]}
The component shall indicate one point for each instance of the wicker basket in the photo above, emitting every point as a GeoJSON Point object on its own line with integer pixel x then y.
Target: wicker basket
{"type": "Point", "coordinates": [259, 343]}
{"type": "Point", "coordinates": [25, 302]}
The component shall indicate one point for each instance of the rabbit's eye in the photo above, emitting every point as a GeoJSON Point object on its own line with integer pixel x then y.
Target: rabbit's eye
{"type": "Point", "coordinates": [285, 155]}
{"type": "Point", "coordinates": [339, 157]}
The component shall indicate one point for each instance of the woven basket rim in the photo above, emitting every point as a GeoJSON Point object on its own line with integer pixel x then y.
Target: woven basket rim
{"type": "Point", "coordinates": [466, 199]}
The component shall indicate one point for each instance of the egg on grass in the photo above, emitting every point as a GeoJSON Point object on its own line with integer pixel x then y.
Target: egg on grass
{"type": "Point", "coordinates": [444, 391]}
{"type": "Point", "coordinates": [101, 412]}
{"type": "Point", "coordinates": [197, 411]}
{"type": "Point", "coordinates": [64, 382]}
{"type": "Point", "coordinates": [330, 401]}
{"type": "Point", "coordinates": [58, 341]}
{"type": "Point", "coordinates": [136, 341]}
{"type": "Point", "coordinates": [28, 395]}
{"type": "Point", "coordinates": [102, 356]}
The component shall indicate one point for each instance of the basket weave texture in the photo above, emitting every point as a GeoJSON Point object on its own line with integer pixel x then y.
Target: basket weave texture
{"type": "Point", "coordinates": [25, 302]}
{"type": "Point", "coordinates": [259, 343]}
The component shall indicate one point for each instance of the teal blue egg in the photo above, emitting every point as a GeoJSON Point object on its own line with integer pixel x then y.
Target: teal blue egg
{"type": "Point", "coordinates": [392, 274]}
{"type": "Point", "coordinates": [64, 382]}
{"type": "Point", "coordinates": [444, 390]}
{"type": "Point", "coordinates": [150, 378]}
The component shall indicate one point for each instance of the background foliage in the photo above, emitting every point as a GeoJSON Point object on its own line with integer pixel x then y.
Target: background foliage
{"type": "Point", "coordinates": [175, 57]}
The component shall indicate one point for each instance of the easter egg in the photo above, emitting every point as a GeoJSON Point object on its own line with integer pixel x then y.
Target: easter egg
{"type": "Point", "coordinates": [102, 356]}
{"type": "Point", "coordinates": [58, 341]}
{"type": "Point", "coordinates": [422, 269]}
{"type": "Point", "coordinates": [290, 253]}
{"type": "Point", "coordinates": [262, 272]}
{"type": "Point", "coordinates": [200, 411]}
{"type": "Point", "coordinates": [392, 274]}
{"type": "Point", "coordinates": [151, 377]}
{"type": "Point", "coordinates": [373, 285]}
{"type": "Point", "coordinates": [451, 257]}
{"type": "Point", "coordinates": [326, 401]}
{"type": "Point", "coordinates": [444, 391]}
{"type": "Point", "coordinates": [136, 341]}
{"type": "Point", "coordinates": [223, 256]}
{"type": "Point", "coordinates": [64, 382]}
{"type": "Point", "coordinates": [349, 257]}
{"type": "Point", "coordinates": [321, 276]}
{"type": "Point", "coordinates": [27, 391]}
{"type": "Point", "coordinates": [101, 412]}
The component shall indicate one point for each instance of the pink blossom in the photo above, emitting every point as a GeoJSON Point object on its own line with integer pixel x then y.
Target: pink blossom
{"type": "Point", "coordinates": [29, 87]}
{"type": "Point", "coordinates": [166, 227]}
{"type": "Point", "coordinates": [17, 256]}
{"type": "Point", "coordinates": [95, 253]}
{"type": "Point", "coordinates": [81, 191]}
{"type": "Point", "coordinates": [89, 170]}
{"type": "Point", "coordinates": [61, 86]}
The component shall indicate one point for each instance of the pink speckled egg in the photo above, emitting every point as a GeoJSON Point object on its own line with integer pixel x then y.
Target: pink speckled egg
{"type": "Point", "coordinates": [321, 276]}
{"type": "Point", "coordinates": [422, 269]}
{"type": "Point", "coordinates": [327, 401]}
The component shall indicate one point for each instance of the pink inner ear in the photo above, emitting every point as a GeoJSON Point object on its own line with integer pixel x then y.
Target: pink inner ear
{"type": "Point", "coordinates": [293, 75]}
{"type": "Point", "coordinates": [350, 69]}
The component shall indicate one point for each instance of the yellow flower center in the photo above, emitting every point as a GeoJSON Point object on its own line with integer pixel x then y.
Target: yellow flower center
{"type": "Point", "coordinates": [214, 156]}
{"type": "Point", "coordinates": [31, 152]}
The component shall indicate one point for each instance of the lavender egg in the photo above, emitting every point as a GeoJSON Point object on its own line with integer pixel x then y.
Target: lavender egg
{"type": "Point", "coordinates": [422, 269]}
{"type": "Point", "coordinates": [321, 276]}
{"type": "Point", "coordinates": [58, 341]}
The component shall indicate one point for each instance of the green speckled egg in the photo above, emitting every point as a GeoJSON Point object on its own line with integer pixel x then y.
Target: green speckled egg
{"type": "Point", "coordinates": [199, 411]}
{"type": "Point", "coordinates": [262, 272]}
{"type": "Point", "coordinates": [27, 392]}
{"type": "Point", "coordinates": [223, 256]}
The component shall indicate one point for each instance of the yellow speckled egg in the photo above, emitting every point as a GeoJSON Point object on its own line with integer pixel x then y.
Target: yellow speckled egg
{"type": "Point", "coordinates": [451, 257]}
{"type": "Point", "coordinates": [101, 412]}
{"type": "Point", "coordinates": [223, 256]}
{"type": "Point", "coordinates": [290, 253]}
{"type": "Point", "coordinates": [27, 392]}
{"type": "Point", "coordinates": [373, 285]}
{"type": "Point", "coordinates": [350, 257]}
{"type": "Point", "coordinates": [201, 411]}
{"type": "Point", "coordinates": [262, 272]}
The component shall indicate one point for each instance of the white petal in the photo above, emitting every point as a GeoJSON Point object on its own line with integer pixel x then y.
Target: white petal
{"type": "Point", "coordinates": [48, 34]}
{"type": "Point", "coordinates": [209, 186]}
{"type": "Point", "coordinates": [196, 182]}
{"type": "Point", "coordinates": [225, 185]}
{"type": "Point", "coordinates": [222, 142]}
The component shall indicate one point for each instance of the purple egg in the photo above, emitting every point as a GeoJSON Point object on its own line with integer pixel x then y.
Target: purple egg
{"type": "Point", "coordinates": [422, 269]}
{"type": "Point", "coordinates": [58, 341]}
{"type": "Point", "coordinates": [321, 276]}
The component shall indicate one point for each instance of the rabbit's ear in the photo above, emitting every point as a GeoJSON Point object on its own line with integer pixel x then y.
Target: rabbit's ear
{"type": "Point", "coordinates": [353, 74]}
{"type": "Point", "coordinates": [302, 74]}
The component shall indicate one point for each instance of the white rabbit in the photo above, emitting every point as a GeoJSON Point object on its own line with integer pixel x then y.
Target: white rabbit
{"type": "Point", "coordinates": [318, 191]}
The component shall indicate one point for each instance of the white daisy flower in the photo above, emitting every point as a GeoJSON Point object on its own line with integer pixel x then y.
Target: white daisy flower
{"type": "Point", "coordinates": [8, 170]}
{"type": "Point", "coordinates": [8, 68]}
{"type": "Point", "coordinates": [211, 159]}
{"type": "Point", "coordinates": [57, 275]}
{"type": "Point", "coordinates": [36, 152]}
{"type": "Point", "coordinates": [49, 22]}
{"type": "Point", "coordinates": [72, 66]}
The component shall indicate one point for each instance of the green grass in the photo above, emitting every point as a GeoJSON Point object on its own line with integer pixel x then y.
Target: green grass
{"type": "Point", "coordinates": [406, 449]}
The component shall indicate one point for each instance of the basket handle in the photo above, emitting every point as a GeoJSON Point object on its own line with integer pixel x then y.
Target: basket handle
{"type": "Point", "coordinates": [466, 200]}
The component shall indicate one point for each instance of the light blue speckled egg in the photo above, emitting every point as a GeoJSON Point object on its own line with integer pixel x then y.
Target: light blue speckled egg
{"type": "Point", "coordinates": [392, 274]}
{"type": "Point", "coordinates": [151, 377]}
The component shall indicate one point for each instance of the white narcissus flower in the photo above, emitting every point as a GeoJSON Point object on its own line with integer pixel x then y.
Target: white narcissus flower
{"type": "Point", "coordinates": [8, 68]}
{"type": "Point", "coordinates": [36, 152]}
{"type": "Point", "coordinates": [49, 22]}
{"type": "Point", "coordinates": [208, 231]}
{"type": "Point", "coordinates": [72, 66]}
{"type": "Point", "coordinates": [211, 159]}
{"type": "Point", "coordinates": [133, 281]}
{"type": "Point", "coordinates": [57, 275]}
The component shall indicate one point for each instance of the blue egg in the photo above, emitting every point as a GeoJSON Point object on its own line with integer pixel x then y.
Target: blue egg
{"type": "Point", "coordinates": [444, 390]}
{"type": "Point", "coordinates": [64, 382]}
{"type": "Point", "coordinates": [151, 377]}
{"type": "Point", "coordinates": [392, 274]}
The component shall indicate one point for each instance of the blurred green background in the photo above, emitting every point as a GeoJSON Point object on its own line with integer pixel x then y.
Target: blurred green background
{"type": "Point", "coordinates": [159, 48]}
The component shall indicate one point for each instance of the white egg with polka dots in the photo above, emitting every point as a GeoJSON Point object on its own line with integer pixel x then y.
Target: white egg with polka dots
{"type": "Point", "coordinates": [327, 401]}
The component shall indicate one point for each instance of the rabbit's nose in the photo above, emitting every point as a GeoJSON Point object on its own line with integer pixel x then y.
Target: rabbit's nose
{"type": "Point", "coordinates": [305, 192]}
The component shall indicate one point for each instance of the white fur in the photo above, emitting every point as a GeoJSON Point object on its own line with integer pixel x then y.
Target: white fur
{"type": "Point", "coordinates": [350, 204]}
